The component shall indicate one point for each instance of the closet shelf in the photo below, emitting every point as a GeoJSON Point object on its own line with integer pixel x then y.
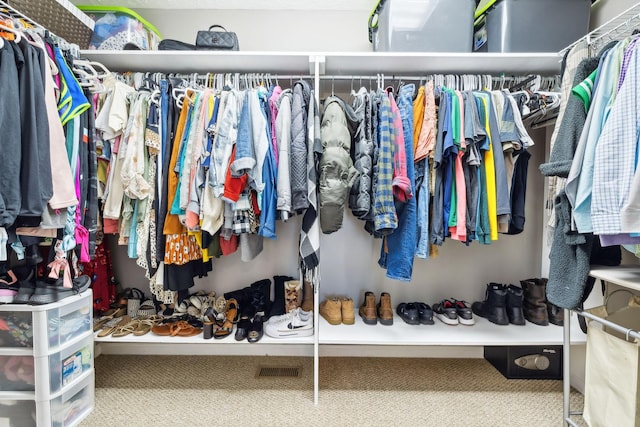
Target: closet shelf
{"type": "Point", "coordinates": [422, 63]}
{"type": "Point", "coordinates": [483, 333]}
{"type": "Point", "coordinates": [230, 340]}
{"type": "Point", "coordinates": [341, 63]}
{"type": "Point", "coordinates": [202, 62]}
{"type": "Point", "coordinates": [628, 277]}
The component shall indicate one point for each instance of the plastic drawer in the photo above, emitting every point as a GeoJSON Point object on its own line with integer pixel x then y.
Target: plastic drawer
{"type": "Point", "coordinates": [18, 413]}
{"type": "Point", "coordinates": [16, 329]}
{"type": "Point", "coordinates": [74, 404]}
{"type": "Point", "coordinates": [17, 374]}
{"type": "Point", "coordinates": [69, 364]}
{"type": "Point", "coordinates": [69, 321]}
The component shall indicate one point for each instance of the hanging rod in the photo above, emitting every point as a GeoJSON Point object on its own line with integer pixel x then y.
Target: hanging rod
{"type": "Point", "coordinates": [626, 331]}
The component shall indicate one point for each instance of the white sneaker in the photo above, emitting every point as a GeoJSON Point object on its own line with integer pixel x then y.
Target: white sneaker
{"type": "Point", "coordinates": [296, 323]}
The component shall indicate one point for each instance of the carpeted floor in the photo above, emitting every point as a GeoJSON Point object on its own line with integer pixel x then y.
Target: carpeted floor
{"type": "Point", "coordinates": [205, 391]}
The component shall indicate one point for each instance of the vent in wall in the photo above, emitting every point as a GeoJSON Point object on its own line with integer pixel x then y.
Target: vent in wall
{"type": "Point", "coordinates": [279, 371]}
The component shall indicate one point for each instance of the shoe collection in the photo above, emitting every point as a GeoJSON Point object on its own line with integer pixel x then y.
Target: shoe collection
{"type": "Point", "coordinates": [510, 304]}
{"type": "Point", "coordinates": [249, 312]}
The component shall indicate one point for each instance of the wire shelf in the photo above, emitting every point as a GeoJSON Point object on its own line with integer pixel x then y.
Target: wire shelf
{"type": "Point", "coordinates": [60, 17]}
{"type": "Point", "coordinates": [615, 29]}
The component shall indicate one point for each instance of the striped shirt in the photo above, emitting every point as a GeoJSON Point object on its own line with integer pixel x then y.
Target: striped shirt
{"type": "Point", "coordinates": [614, 163]}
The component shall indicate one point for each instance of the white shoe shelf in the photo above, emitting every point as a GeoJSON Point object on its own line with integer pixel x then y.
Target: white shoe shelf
{"type": "Point", "coordinates": [56, 341]}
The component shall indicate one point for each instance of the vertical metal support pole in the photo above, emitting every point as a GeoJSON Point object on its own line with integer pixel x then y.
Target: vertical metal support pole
{"type": "Point", "coordinates": [566, 367]}
{"type": "Point", "coordinates": [316, 293]}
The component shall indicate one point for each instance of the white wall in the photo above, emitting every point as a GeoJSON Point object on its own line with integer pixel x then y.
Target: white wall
{"type": "Point", "coordinates": [604, 10]}
{"type": "Point", "coordinates": [271, 30]}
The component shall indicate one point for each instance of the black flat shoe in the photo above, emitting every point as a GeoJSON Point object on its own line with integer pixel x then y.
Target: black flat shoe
{"type": "Point", "coordinates": [242, 328]}
{"type": "Point", "coordinates": [256, 331]}
{"type": "Point", "coordinates": [425, 313]}
{"type": "Point", "coordinates": [409, 313]}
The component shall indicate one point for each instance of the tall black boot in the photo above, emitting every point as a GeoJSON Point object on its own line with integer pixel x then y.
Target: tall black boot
{"type": "Point", "coordinates": [494, 306]}
{"type": "Point", "coordinates": [262, 287]}
{"type": "Point", "coordinates": [515, 298]}
{"type": "Point", "coordinates": [277, 308]}
{"type": "Point", "coordinates": [535, 297]}
{"type": "Point", "coordinates": [242, 296]}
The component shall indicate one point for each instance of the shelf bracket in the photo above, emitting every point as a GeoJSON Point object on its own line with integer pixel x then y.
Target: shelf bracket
{"type": "Point", "coordinates": [321, 60]}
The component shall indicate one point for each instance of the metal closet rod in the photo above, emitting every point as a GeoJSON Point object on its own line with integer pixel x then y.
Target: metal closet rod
{"type": "Point", "coordinates": [626, 331]}
{"type": "Point", "coordinates": [387, 77]}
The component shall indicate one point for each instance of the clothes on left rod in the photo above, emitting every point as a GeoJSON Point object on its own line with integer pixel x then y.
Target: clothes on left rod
{"type": "Point", "coordinates": [207, 173]}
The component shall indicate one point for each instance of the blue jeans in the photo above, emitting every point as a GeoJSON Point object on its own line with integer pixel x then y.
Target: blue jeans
{"type": "Point", "coordinates": [422, 189]}
{"type": "Point", "coordinates": [401, 244]}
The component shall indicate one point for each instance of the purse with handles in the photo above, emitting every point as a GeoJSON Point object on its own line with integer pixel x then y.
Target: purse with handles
{"type": "Point", "coordinates": [217, 40]}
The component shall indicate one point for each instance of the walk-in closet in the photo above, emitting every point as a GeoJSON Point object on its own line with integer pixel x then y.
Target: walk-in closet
{"type": "Point", "coordinates": [272, 213]}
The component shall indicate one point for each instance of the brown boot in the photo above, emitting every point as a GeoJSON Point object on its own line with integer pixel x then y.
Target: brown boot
{"type": "Point", "coordinates": [307, 296]}
{"type": "Point", "coordinates": [348, 312]}
{"type": "Point", "coordinates": [535, 297]}
{"type": "Point", "coordinates": [368, 309]}
{"type": "Point", "coordinates": [292, 295]}
{"type": "Point", "coordinates": [331, 310]}
{"type": "Point", "coordinates": [385, 312]}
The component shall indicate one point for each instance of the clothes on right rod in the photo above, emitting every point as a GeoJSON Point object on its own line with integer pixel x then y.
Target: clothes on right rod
{"type": "Point", "coordinates": [421, 168]}
{"type": "Point", "coordinates": [594, 155]}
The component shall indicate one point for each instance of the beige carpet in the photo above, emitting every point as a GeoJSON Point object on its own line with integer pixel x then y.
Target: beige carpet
{"type": "Point", "coordinates": [207, 391]}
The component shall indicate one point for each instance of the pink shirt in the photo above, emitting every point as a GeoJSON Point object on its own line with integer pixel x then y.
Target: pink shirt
{"type": "Point", "coordinates": [401, 184]}
{"type": "Point", "coordinates": [459, 232]}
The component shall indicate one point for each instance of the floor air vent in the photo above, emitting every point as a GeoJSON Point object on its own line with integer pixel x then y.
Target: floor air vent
{"type": "Point", "coordinates": [279, 371]}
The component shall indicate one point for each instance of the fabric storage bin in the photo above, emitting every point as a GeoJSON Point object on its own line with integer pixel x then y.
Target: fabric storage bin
{"type": "Point", "coordinates": [423, 26]}
{"type": "Point", "coordinates": [118, 27]}
{"type": "Point", "coordinates": [530, 25]}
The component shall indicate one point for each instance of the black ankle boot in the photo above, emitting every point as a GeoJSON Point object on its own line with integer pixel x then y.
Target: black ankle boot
{"type": "Point", "coordinates": [278, 306]}
{"type": "Point", "coordinates": [494, 305]}
{"type": "Point", "coordinates": [515, 298]}
{"type": "Point", "coordinates": [535, 297]}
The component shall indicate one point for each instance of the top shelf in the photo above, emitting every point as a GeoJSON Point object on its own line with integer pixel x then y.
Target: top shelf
{"type": "Point", "coordinates": [238, 4]}
{"type": "Point", "coordinates": [628, 277]}
{"type": "Point", "coordinates": [342, 63]}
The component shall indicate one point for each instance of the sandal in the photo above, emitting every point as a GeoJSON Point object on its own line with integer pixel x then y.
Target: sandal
{"type": "Point", "coordinates": [126, 329]}
{"type": "Point", "coordinates": [180, 328]}
{"type": "Point", "coordinates": [145, 324]}
{"type": "Point", "coordinates": [231, 314]}
{"type": "Point", "coordinates": [99, 323]}
{"type": "Point", "coordinates": [112, 325]}
{"type": "Point", "coordinates": [148, 308]}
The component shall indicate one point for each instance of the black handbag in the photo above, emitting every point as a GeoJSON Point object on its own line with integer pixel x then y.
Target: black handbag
{"type": "Point", "coordinates": [169, 44]}
{"type": "Point", "coordinates": [217, 40]}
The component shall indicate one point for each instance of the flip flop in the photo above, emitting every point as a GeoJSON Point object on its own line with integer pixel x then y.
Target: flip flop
{"type": "Point", "coordinates": [112, 325]}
